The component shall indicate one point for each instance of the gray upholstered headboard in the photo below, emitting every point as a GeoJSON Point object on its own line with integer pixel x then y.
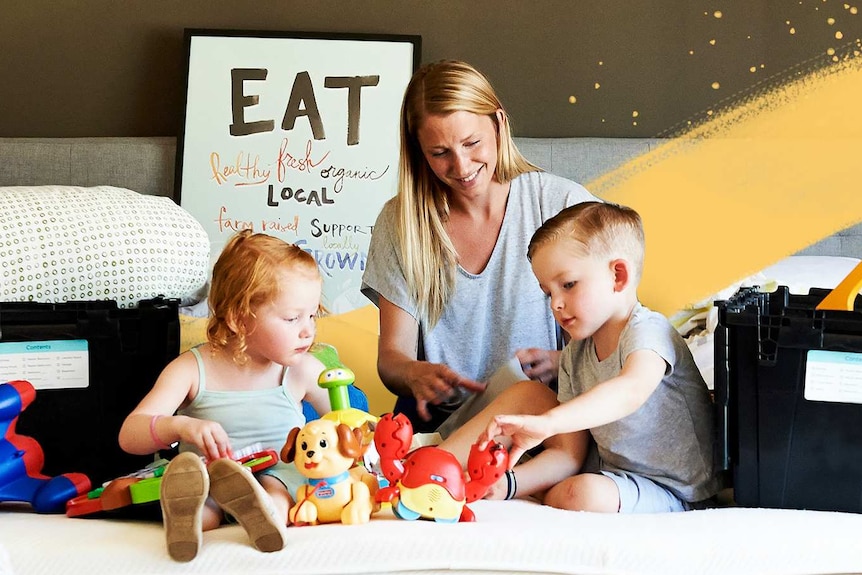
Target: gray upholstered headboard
{"type": "Point", "coordinates": [147, 165]}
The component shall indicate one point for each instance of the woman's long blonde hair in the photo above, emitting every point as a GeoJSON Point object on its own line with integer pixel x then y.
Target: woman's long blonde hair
{"type": "Point", "coordinates": [429, 257]}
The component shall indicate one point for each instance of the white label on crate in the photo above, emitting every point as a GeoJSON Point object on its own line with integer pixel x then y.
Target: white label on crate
{"type": "Point", "coordinates": [55, 364]}
{"type": "Point", "coordinates": [833, 376]}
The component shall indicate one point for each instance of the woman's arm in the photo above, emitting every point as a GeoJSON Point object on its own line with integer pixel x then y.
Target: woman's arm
{"type": "Point", "coordinates": [400, 370]}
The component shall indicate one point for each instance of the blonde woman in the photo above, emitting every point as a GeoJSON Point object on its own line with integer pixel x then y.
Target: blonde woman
{"type": "Point", "coordinates": [447, 264]}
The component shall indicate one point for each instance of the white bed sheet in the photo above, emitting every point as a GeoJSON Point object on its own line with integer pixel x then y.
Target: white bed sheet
{"type": "Point", "coordinates": [508, 537]}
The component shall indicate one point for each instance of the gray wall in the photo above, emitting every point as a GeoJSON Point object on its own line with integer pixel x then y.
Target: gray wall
{"type": "Point", "coordinates": [74, 68]}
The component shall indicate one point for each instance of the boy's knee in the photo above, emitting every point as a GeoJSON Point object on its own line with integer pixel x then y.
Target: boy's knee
{"type": "Point", "coordinates": [585, 492]}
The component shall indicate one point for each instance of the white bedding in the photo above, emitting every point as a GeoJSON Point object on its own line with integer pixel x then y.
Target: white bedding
{"type": "Point", "coordinates": [508, 537]}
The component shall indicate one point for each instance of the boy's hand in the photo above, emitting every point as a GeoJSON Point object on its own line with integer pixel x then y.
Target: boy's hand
{"type": "Point", "coordinates": [498, 490]}
{"type": "Point", "coordinates": [209, 437]}
{"type": "Point", "coordinates": [526, 431]}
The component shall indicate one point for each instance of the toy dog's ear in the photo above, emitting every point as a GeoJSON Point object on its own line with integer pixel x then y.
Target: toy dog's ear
{"type": "Point", "coordinates": [288, 452]}
{"type": "Point", "coordinates": [349, 441]}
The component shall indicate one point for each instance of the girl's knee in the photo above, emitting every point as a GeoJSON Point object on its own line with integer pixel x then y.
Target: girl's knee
{"type": "Point", "coordinates": [211, 516]}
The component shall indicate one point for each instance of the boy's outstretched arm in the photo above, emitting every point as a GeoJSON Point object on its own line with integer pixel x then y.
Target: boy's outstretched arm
{"type": "Point", "coordinates": [609, 401]}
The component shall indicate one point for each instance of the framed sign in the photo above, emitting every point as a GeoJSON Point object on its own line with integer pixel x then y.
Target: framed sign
{"type": "Point", "coordinates": [295, 135]}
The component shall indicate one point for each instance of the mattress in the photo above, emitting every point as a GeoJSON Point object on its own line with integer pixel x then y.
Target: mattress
{"type": "Point", "coordinates": [508, 537]}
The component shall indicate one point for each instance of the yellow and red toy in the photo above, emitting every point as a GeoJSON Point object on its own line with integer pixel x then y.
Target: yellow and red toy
{"type": "Point", "coordinates": [337, 489]}
{"type": "Point", "coordinates": [428, 482]}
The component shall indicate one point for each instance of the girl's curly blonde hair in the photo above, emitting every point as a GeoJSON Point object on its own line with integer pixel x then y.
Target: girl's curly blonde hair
{"type": "Point", "coordinates": [246, 276]}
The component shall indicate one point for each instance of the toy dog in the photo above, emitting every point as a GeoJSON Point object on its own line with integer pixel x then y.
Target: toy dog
{"type": "Point", "coordinates": [337, 489]}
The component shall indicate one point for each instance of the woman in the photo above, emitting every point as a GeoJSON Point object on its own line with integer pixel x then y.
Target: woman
{"type": "Point", "coordinates": [447, 263]}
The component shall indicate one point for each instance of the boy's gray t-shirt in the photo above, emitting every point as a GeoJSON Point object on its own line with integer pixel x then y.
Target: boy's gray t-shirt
{"type": "Point", "coordinates": [670, 438]}
{"type": "Point", "coordinates": [496, 312]}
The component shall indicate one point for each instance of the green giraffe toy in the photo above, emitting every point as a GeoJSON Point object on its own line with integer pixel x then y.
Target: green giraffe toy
{"type": "Point", "coordinates": [335, 379]}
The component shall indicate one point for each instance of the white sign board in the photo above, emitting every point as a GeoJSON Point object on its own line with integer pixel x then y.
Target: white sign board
{"type": "Point", "coordinates": [297, 136]}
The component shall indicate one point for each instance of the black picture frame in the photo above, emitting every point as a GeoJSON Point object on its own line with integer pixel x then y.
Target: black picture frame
{"type": "Point", "coordinates": [294, 134]}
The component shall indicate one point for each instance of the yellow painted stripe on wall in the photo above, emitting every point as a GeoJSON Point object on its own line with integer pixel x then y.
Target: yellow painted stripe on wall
{"type": "Point", "coordinates": [756, 184]}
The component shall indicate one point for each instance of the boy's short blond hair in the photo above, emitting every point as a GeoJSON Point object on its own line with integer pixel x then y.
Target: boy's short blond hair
{"type": "Point", "coordinates": [596, 229]}
{"type": "Point", "coordinates": [246, 276]}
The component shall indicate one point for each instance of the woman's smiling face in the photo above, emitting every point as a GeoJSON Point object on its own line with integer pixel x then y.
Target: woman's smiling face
{"type": "Point", "coordinates": [461, 150]}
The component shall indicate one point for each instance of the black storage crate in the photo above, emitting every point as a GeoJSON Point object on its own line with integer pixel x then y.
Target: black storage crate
{"type": "Point", "coordinates": [783, 450]}
{"type": "Point", "coordinates": [127, 349]}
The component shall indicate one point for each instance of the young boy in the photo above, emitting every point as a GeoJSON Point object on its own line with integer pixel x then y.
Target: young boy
{"type": "Point", "coordinates": [626, 376]}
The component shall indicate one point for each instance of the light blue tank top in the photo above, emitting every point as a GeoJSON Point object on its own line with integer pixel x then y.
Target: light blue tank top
{"type": "Point", "coordinates": [263, 416]}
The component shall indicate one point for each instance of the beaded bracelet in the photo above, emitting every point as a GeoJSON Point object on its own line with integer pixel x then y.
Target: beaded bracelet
{"type": "Point", "coordinates": [159, 443]}
{"type": "Point", "coordinates": [511, 484]}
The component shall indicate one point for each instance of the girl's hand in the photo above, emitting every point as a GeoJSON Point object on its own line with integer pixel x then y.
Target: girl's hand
{"type": "Point", "coordinates": [526, 431]}
{"type": "Point", "coordinates": [539, 364]}
{"type": "Point", "coordinates": [209, 437]}
{"type": "Point", "coordinates": [436, 383]}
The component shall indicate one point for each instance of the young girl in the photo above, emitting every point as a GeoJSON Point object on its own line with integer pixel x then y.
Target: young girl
{"type": "Point", "coordinates": [243, 387]}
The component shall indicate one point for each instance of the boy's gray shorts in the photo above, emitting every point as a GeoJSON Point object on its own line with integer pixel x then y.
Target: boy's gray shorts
{"type": "Point", "coordinates": [641, 495]}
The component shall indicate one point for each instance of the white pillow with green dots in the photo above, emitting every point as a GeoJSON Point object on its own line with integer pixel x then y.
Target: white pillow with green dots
{"type": "Point", "coordinates": [64, 243]}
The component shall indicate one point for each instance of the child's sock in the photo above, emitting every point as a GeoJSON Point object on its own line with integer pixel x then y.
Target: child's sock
{"type": "Point", "coordinates": [238, 493]}
{"type": "Point", "coordinates": [184, 490]}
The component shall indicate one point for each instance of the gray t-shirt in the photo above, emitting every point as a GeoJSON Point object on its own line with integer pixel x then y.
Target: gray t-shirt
{"type": "Point", "coordinates": [670, 438]}
{"type": "Point", "coordinates": [495, 312]}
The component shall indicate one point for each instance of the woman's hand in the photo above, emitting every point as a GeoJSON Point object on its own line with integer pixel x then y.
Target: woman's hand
{"type": "Point", "coordinates": [539, 364]}
{"type": "Point", "coordinates": [436, 383]}
{"type": "Point", "coordinates": [209, 436]}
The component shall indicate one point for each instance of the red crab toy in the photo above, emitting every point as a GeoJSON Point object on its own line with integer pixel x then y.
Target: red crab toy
{"type": "Point", "coordinates": [428, 482]}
